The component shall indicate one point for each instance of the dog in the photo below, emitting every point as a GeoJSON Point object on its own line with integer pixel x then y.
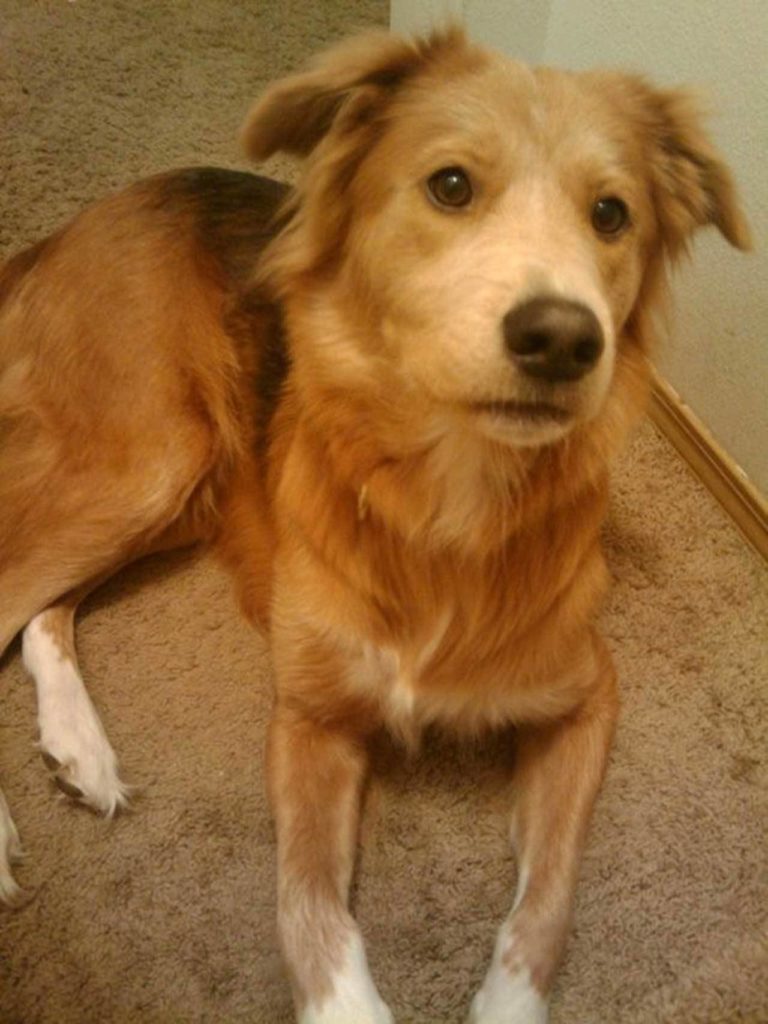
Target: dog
{"type": "Point", "coordinates": [389, 398]}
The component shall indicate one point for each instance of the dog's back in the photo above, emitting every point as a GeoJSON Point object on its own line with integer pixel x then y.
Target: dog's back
{"type": "Point", "coordinates": [130, 364]}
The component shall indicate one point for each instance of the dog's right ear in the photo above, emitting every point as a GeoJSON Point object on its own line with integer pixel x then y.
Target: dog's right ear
{"type": "Point", "coordinates": [295, 113]}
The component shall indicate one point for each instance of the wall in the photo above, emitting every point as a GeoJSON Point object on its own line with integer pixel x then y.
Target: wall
{"type": "Point", "coordinates": [516, 26]}
{"type": "Point", "coordinates": [717, 353]}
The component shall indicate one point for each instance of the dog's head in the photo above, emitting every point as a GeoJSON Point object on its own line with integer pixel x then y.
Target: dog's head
{"type": "Point", "coordinates": [494, 233]}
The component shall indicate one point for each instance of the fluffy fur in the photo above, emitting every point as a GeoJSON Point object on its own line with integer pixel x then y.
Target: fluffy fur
{"type": "Point", "coordinates": [318, 383]}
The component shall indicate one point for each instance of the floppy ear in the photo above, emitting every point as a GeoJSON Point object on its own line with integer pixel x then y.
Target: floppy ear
{"type": "Point", "coordinates": [693, 184]}
{"type": "Point", "coordinates": [330, 114]}
{"type": "Point", "coordinates": [295, 113]}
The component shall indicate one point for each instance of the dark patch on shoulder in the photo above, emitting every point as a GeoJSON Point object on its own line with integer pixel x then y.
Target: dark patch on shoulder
{"type": "Point", "coordinates": [12, 272]}
{"type": "Point", "coordinates": [257, 328]}
{"type": "Point", "coordinates": [273, 366]}
{"type": "Point", "coordinates": [234, 214]}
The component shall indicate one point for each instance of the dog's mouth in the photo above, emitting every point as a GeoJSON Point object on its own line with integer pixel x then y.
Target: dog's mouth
{"type": "Point", "coordinates": [526, 412]}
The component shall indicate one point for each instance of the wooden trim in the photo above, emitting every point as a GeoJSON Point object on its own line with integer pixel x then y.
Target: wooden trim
{"type": "Point", "coordinates": [714, 467]}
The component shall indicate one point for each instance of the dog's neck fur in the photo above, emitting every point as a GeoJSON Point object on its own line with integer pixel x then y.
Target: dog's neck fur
{"type": "Point", "coordinates": [433, 525]}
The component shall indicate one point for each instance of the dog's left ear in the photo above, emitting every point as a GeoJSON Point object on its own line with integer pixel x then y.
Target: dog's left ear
{"type": "Point", "coordinates": [342, 86]}
{"type": "Point", "coordinates": [692, 182]}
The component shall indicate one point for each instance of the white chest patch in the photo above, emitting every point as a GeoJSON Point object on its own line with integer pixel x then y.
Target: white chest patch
{"type": "Point", "coordinates": [380, 671]}
{"type": "Point", "coordinates": [394, 676]}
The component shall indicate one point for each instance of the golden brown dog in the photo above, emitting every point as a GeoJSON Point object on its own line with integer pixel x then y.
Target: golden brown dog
{"type": "Point", "coordinates": [390, 398]}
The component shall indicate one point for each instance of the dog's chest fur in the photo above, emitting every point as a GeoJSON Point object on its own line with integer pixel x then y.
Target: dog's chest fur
{"type": "Point", "coordinates": [447, 637]}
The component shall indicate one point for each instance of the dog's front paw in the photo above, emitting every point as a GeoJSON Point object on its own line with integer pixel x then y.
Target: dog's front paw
{"type": "Point", "coordinates": [507, 998]}
{"type": "Point", "coordinates": [331, 1012]}
{"type": "Point", "coordinates": [354, 1000]}
{"type": "Point", "coordinates": [351, 996]}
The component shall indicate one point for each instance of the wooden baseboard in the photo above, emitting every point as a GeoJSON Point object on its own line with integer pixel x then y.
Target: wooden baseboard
{"type": "Point", "coordinates": [714, 467]}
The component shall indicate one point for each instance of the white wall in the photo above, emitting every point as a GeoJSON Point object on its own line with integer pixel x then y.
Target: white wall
{"type": "Point", "coordinates": [717, 355]}
{"type": "Point", "coordinates": [518, 27]}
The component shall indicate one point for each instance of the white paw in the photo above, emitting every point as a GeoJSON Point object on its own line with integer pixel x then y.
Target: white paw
{"type": "Point", "coordinates": [508, 999]}
{"type": "Point", "coordinates": [84, 766]}
{"type": "Point", "coordinates": [10, 851]}
{"type": "Point", "coordinates": [353, 998]}
{"type": "Point", "coordinates": [73, 742]}
{"type": "Point", "coordinates": [331, 1013]}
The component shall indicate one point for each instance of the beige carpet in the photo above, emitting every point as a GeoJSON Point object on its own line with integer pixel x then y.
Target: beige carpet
{"type": "Point", "coordinates": [167, 915]}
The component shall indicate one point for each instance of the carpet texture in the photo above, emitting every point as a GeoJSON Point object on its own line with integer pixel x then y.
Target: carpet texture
{"type": "Point", "coordinates": [167, 914]}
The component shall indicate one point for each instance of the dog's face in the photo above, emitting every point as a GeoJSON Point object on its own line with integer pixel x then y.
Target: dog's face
{"type": "Point", "coordinates": [494, 226]}
{"type": "Point", "coordinates": [504, 242]}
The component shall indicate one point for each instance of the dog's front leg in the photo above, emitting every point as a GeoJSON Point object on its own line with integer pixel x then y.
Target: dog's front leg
{"type": "Point", "coordinates": [558, 774]}
{"type": "Point", "coordinates": [316, 774]}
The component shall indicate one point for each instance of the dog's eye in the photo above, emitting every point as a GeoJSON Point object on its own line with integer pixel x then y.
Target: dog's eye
{"type": "Point", "coordinates": [610, 215]}
{"type": "Point", "coordinates": [450, 187]}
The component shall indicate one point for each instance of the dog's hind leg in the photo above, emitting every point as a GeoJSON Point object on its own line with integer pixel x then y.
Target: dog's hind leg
{"type": "Point", "coordinates": [10, 851]}
{"type": "Point", "coordinates": [39, 592]}
{"type": "Point", "coordinates": [73, 743]}
{"type": "Point", "coordinates": [22, 595]}
{"type": "Point", "coordinates": [24, 599]}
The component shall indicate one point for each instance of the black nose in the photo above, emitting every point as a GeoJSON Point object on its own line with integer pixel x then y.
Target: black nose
{"type": "Point", "coordinates": [553, 339]}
